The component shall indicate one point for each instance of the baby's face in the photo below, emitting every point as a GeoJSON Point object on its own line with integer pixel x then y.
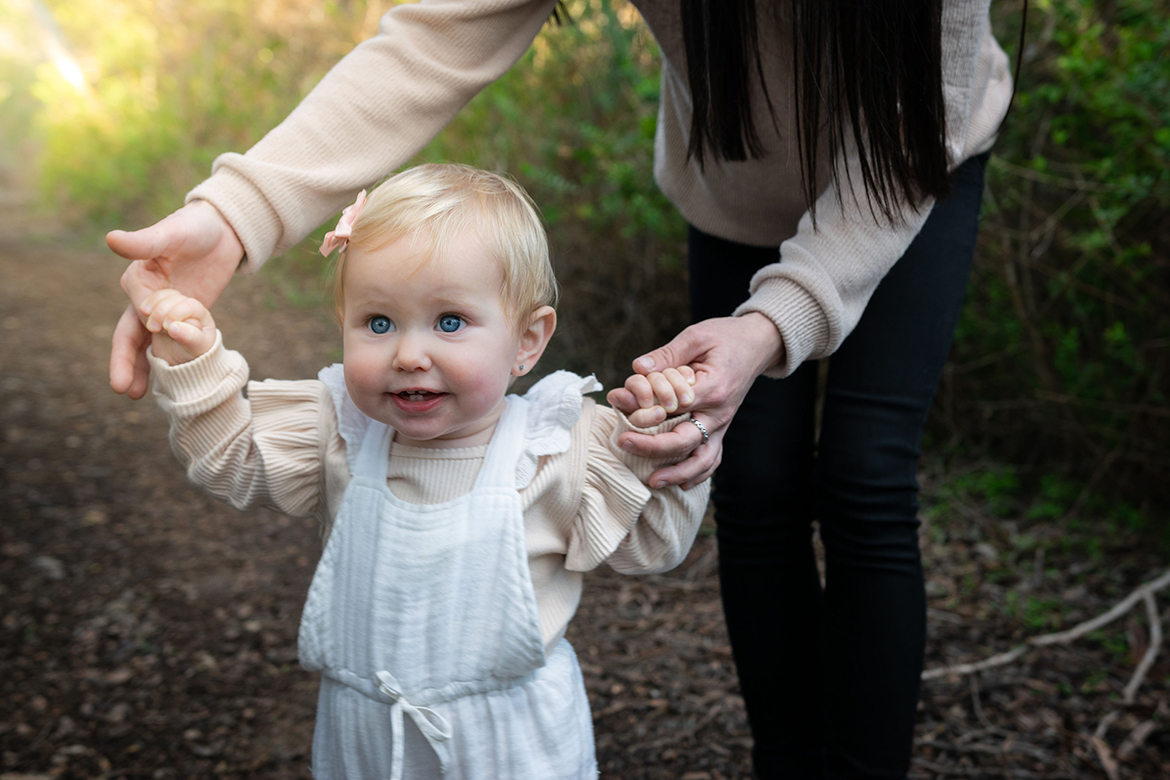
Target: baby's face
{"type": "Point", "coordinates": [429, 346]}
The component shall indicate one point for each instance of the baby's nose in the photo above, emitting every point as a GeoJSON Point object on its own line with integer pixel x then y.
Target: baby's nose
{"type": "Point", "coordinates": [412, 354]}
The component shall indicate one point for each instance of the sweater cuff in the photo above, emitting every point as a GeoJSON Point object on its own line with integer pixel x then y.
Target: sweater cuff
{"type": "Point", "coordinates": [193, 382]}
{"type": "Point", "coordinates": [246, 209]}
{"type": "Point", "coordinates": [804, 329]}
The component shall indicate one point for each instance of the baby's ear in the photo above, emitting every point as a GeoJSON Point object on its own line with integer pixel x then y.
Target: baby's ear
{"type": "Point", "coordinates": [534, 338]}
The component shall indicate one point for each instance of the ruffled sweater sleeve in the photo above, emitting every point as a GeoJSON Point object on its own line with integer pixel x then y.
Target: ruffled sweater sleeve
{"type": "Point", "coordinates": [620, 520]}
{"type": "Point", "coordinates": [262, 449]}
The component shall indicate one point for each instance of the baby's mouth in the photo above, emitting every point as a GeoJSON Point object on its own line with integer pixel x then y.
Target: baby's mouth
{"type": "Point", "coordinates": [417, 395]}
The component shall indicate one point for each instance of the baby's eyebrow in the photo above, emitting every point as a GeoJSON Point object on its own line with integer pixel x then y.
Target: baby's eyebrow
{"type": "Point", "coordinates": [457, 301]}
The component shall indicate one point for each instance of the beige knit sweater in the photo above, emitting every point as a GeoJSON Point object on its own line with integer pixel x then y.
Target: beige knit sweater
{"type": "Point", "coordinates": [386, 99]}
{"type": "Point", "coordinates": [279, 446]}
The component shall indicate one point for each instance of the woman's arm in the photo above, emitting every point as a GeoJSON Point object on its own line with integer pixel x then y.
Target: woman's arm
{"type": "Point", "coordinates": [369, 115]}
{"type": "Point", "coordinates": [815, 294]}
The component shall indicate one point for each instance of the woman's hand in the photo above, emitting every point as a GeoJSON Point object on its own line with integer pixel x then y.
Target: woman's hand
{"type": "Point", "coordinates": [194, 251]}
{"type": "Point", "coordinates": [727, 354]}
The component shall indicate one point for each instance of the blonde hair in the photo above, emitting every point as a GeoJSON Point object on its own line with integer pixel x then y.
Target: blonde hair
{"type": "Point", "coordinates": [438, 202]}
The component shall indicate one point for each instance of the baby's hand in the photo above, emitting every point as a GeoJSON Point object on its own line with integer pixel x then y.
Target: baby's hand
{"type": "Point", "coordinates": [660, 394]}
{"type": "Point", "coordinates": [182, 328]}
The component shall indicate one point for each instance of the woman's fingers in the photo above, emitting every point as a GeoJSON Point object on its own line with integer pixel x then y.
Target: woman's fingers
{"type": "Point", "coordinates": [129, 371]}
{"type": "Point", "coordinates": [673, 445]}
{"type": "Point", "coordinates": [697, 460]}
{"type": "Point", "coordinates": [193, 250]}
{"type": "Point", "coordinates": [726, 355]}
{"type": "Point", "coordinates": [692, 471]}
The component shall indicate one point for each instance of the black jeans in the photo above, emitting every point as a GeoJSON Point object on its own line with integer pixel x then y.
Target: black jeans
{"type": "Point", "coordinates": [831, 677]}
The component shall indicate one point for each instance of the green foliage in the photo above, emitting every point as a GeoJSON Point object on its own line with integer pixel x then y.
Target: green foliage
{"type": "Point", "coordinates": [1061, 353]}
{"type": "Point", "coordinates": [164, 89]}
{"type": "Point", "coordinates": [1062, 350]}
{"type": "Point", "coordinates": [995, 487]}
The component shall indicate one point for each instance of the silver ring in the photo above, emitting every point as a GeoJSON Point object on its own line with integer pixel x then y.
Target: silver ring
{"type": "Point", "coordinates": [703, 428]}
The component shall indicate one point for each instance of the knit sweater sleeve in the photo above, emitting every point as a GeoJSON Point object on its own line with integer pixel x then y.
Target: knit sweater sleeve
{"type": "Point", "coordinates": [262, 449]}
{"type": "Point", "coordinates": [370, 114]}
{"type": "Point", "coordinates": [818, 290]}
{"type": "Point", "coordinates": [620, 520]}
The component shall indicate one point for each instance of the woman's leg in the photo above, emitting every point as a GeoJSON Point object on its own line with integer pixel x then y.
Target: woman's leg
{"type": "Point", "coordinates": [881, 382]}
{"type": "Point", "coordinates": [762, 491]}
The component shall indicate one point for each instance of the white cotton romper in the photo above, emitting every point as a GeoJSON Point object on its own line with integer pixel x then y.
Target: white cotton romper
{"type": "Point", "coordinates": [422, 619]}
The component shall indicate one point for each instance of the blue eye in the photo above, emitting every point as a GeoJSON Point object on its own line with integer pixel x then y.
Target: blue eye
{"type": "Point", "coordinates": [379, 324]}
{"type": "Point", "coordinates": [449, 323]}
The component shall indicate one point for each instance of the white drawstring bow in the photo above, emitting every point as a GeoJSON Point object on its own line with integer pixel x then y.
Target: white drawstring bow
{"type": "Point", "coordinates": [433, 726]}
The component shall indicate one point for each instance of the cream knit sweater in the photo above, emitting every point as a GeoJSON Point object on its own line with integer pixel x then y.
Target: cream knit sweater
{"type": "Point", "coordinates": [279, 446]}
{"type": "Point", "coordinates": [386, 99]}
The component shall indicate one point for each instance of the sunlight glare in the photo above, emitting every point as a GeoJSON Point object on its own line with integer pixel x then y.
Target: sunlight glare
{"type": "Point", "coordinates": [68, 68]}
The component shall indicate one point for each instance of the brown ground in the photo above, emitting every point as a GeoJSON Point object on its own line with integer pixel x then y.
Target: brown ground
{"type": "Point", "coordinates": [147, 631]}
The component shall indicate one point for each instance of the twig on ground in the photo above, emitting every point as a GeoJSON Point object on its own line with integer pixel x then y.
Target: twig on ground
{"type": "Point", "coordinates": [977, 705]}
{"type": "Point", "coordinates": [1106, 722]}
{"type": "Point", "coordinates": [1147, 661]}
{"type": "Point", "coordinates": [1101, 747]}
{"type": "Point", "coordinates": [981, 771]}
{"type": "Point", "coordinates": [1064, 637]}
{"type": "Point", "coordinates": [1002, 659]}
{"type": "Point", "coordinates": [1009, 746]}
{"type": "Point", "coordinates": [1136, 739]}
{"type": "Point", "coordinates": [1108, 617]}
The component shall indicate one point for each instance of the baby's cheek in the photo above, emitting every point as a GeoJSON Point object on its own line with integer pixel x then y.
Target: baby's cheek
{"type": "Point", "coordinates": [486, 384]}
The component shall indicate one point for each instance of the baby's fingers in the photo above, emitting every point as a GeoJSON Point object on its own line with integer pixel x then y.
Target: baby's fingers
{"type": "Point", "coordinates": [639, 386]}
{"type": "Point", "coordinates": [178, 308]}
{"type": "Point", "coordinates": [672, 387]}
{"type": "Point", "coordinates": [186, 335]}
{"type": "Point", "coordinates": [647, 418]}
{"type": "Point", "coordinates": [163, 298]}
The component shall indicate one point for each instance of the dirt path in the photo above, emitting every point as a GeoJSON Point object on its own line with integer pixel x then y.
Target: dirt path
{"type": "Point", "coordinates": [147, 631]}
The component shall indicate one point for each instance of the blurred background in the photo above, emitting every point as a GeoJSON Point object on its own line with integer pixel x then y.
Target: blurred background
{"type": "Point", "coordinates": [1050, 433]}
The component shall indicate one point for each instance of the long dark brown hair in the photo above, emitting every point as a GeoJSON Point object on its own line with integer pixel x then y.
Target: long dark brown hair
{"type": "Point", "coordinates": [866, 71]}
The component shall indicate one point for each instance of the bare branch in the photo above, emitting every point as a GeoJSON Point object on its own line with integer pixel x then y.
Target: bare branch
{"type": "Point", "coordinates": [1002, 659]}
{"type": "Point", "coordinates": [1147, 661]}
{"type": "Point", "coordinates": [1122, 607]}
{"type": "Point", "coordinates": [1141, 593]}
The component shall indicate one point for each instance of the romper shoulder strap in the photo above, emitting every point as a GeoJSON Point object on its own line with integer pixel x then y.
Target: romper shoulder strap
{"type": "Point", "coordinates": [352, 423]}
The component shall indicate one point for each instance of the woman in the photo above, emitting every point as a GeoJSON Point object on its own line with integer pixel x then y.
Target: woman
{"type": "Point", "coordinates": [812, 147]}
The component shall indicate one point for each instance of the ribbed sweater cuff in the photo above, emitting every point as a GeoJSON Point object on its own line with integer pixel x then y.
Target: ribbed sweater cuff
{"type": "Point", "coordinates": [200, 384]}
{"type": "Point", "coordinates": [804, 329]}
{"type": "Point", "coordinates": [246, 209]}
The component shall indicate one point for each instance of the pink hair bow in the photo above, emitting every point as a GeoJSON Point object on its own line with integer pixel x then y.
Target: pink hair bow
{"type": "Point", "coordinates": [339, 237]}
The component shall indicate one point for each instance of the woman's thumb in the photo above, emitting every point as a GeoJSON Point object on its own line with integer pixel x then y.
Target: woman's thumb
{"type": "Point", "coordinates": [680, 351]}
{"type": "Point", "coordinates": [145, 244]}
